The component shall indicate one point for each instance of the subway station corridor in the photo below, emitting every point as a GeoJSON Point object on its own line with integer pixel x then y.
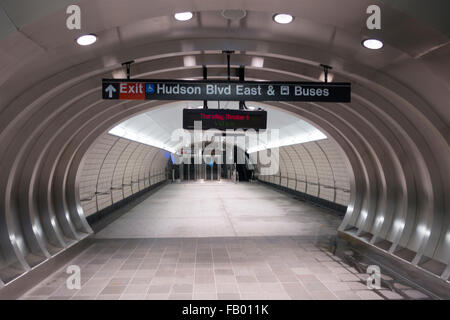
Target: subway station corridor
{"type": "Point", "coordinates": [224, 150]}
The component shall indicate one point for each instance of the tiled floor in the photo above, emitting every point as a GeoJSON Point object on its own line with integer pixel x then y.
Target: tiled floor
{"type": "Point", "coordinates": [209, 268]}
{"type": "Point", "coordinates": [223, 209]}
{"type": "Point", "coordinates": [214, 241]}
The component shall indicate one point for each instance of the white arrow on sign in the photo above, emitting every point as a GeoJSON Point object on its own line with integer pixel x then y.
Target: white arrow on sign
{"type": "Point", "coordinates": [110, 90]}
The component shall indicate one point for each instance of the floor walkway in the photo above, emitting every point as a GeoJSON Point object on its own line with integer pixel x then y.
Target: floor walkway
{"type": "Point", "coordinates": [208, 268]}
{"type": "Point", "coordinates": [215, 241]}
{"type": "Point", "coordinates": [223, 209]}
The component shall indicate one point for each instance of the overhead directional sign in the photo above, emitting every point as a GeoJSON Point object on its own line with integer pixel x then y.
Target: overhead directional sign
{"type": "Point", "coordinates": [118, 89]}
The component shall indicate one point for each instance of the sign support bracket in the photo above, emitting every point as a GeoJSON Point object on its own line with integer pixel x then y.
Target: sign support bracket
{"type": "Point", "coordinates": [228, 53]}
{"type": "Point", "coordinates": [242, 78]}
{"type": "Point", "coordinates": [325, 71]}
{"type": "Point", "coordinates": [128, 68]}
{"type": "Point", "coordinates": [205, 77]}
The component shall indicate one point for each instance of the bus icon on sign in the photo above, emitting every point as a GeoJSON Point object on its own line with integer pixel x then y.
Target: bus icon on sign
{"type": "Point", "coordinates": [150, 88]}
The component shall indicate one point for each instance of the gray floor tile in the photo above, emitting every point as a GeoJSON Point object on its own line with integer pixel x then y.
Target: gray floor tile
{"type": "Point", "coordinates": [162, 288]}
{"type": "Point", "coordinates": [162, 249]}
{"type": "Point", "coordinates": [113, 290]}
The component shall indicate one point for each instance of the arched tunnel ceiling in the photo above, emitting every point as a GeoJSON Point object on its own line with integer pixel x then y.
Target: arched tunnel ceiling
{"type": "Point", "coordinates": [155, 127]}
{"type": "Point", "coordinates": [330, 29]}
{"type": "Point", "coordinates": [14, 16]}
{"type": "Point", "coordinates": [395, 132]}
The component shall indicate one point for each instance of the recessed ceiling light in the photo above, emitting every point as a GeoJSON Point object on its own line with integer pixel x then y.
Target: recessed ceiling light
{"type": "Point", "coordinates": [87, 39]}
{"type": "Point", "coordinates": [283, 18]}
{"type": "Point", "coordinates": [373, 44]}
{"type": "Point", "coordinates": [184, 16]}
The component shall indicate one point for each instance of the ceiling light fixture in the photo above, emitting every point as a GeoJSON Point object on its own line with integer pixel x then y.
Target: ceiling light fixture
{"type": "Point", "coordinates": [257, 62]}
{"type": "Point", "coordinates": [119, 74]}
{"type": "Point", "coordinates": [189, 61]}
{"type": "Point", "coordinates": [87, 39]}
{"type": "Point", "coordinates": [322, 77]}
{"type": "Point", "coordinates": [183, 16]}
{"type": "Point", "coordinates": [372, 44]}
{"type": "Point", "coordinates": [283, 18]}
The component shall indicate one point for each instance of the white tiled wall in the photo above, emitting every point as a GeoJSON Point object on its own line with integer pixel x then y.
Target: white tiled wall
{"type": "Point", "coordinates": [316, 168]}
{"type": "Point", "coordinates": [115, 168]}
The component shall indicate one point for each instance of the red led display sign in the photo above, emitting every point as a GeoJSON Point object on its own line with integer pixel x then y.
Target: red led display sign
{"type": "Point", "coordinates": [223, 119]}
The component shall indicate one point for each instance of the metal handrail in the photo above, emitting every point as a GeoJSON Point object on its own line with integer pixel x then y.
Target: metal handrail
{"type": "Point", "coordinates": [314, 183]}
